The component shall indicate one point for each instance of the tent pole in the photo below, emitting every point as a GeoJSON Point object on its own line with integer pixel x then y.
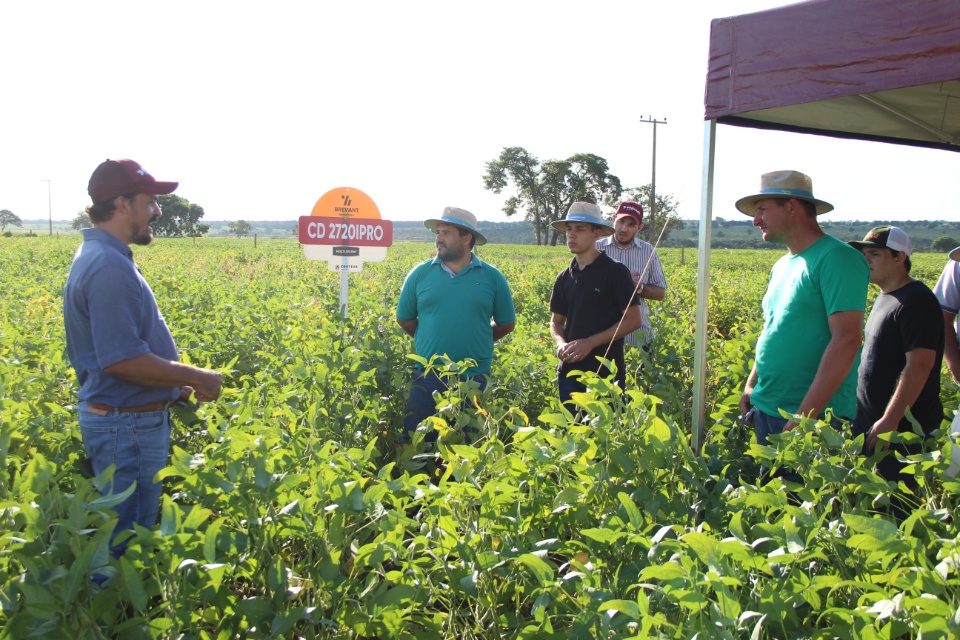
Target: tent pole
{"type": "Point", "coordinates": [703, 283]}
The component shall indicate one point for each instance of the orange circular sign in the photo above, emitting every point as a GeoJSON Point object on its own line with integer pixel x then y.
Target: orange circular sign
{"type": "Point", "coordinates": [345, 202]}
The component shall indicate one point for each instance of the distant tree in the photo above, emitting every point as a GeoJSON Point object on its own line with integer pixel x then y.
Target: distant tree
{"type": "Point", "coordinates": [9, 218]}
{"type": "Point", "coordinates": [180, 218]}
{"type": "Point", "coordinates": [81, 221]}
{"type": "Point", "coordinates": [546, 191]}
{"type": "Point", "coordinates": [944, 243]}
{"type": "Point", "coordinates": [665, 214]}
{"type": "Point", "coordinates": [240, 228]}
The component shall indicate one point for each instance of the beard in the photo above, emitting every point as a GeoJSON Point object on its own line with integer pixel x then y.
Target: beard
{"type": "Point", "coordinates": [449, 254]}
{"type": "Point", "coordinates": [623, 243]}
{"type": "Point", "coordinates": [143, 237]}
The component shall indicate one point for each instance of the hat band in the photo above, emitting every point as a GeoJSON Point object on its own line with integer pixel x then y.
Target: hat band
{"type": "Point", "coordinates": [457, 221]}
{"type": "Point", "coordinates": [790, 193]}
{"type": "Point", "coordinates": [583, 217]}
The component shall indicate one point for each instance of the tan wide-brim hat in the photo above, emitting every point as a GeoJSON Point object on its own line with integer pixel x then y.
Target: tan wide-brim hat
{"type": "Point", "coordinates": [783, 184]}
{"type": "Point", "coordinates": [584, 212]}
{"type": "Point", "coordinates": [458, 218]}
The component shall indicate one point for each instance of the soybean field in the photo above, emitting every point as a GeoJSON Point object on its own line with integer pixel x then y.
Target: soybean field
{"type": "Point", "coordinates": [289, 511]}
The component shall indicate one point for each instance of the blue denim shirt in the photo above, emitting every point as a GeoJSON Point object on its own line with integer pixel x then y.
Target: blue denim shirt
{"type": "Point", "coordinates": [110, 315]}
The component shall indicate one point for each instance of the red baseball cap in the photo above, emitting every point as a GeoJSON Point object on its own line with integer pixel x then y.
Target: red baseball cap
{"type": "Point", "coordinates": [120, 177]}
{"type": "Point", "coordinates": [630, 208]}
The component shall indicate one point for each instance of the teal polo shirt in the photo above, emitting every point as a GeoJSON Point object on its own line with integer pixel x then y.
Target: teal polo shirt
{"type": "Point", "coordinates": [454, 313]}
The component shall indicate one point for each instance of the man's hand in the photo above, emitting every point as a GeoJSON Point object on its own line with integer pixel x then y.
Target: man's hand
{"type": "Point", "coordinates": [574, 351]}
{"type": "Point", "coordinates": [207, 386]}
{"type": "Point", "coordinates": [883, 425]}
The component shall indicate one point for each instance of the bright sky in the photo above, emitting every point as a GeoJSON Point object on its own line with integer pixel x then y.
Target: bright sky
{"type": "Point", "coordinates": [260, 108]}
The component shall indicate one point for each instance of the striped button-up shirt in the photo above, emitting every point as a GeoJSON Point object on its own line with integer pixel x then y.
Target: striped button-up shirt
{"type": "Point", "coordinates": [635, 258]}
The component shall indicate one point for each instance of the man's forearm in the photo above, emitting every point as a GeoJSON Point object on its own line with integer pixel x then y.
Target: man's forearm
{"type": "Point", "coordinates": [652, 292]}
{"type": "Point", "coordinates": [500, 330]}
{"type": "Point", "coordinates": [409, 326]}
{"type": "Point", "coordinates": [835, 364]}
{"type": "Point", "coordinates": [911, 382]}
{"type": "Point", "coordinates": [631, 322]}
{"type": "Point", "coordinates": [150, 370]}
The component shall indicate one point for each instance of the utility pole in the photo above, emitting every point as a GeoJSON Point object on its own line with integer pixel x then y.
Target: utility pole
{"type": "Point", "coordinates": [49, 202]}
{"type": "Point", "coordinates": [653, 181]}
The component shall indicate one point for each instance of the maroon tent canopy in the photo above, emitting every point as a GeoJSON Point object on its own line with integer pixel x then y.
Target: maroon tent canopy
{"type": "Point", "coordinates": [883, 70]}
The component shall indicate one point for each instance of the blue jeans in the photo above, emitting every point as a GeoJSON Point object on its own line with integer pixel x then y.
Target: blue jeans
{"type": "Point", "coordinates": [420, 402]}
{"type": "Point", "coordinates": [765, 425]}
{"type": "Point", "coordinates": [566, 387]}
{"type": "Point", "coordinates": [139, 445]}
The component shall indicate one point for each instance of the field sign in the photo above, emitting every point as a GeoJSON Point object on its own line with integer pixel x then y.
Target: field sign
{"type": "Point", "coordinates": [346, 230]}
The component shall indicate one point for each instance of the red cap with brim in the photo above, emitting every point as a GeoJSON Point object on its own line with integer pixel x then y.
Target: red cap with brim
{"type": "Point", "coordinates": [122, 177]}
{"type": "Point", "coordinates": [630, 209]}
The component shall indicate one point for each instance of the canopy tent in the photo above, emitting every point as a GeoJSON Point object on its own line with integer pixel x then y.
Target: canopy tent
{"type": "Point", "coordinates": [881, 70]}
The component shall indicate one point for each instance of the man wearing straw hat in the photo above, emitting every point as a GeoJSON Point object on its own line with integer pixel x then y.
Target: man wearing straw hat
{"type": "Point", "coordinates": [446, 305]}
{"type": "Point", "coordinates": [809, 350]}
{"type": "Point", "coordinates": [641, 259]}
{"type": "Point", "coordinates": [593, 306]}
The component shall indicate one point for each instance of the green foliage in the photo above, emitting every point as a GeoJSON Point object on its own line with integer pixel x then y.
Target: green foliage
{"type": "Point", "coordinates": [290, 512]}
{"type": "Point", "coordinates": [81, 221]}
{"type": "Point", "coordinates": [240, 228]}
{"type": "Point", "coordinates": [943, 244]}
{"type": "Point", "coordinates": [9, 219]}
{"type": "Point", "coordinates": [546, 190]}
{"type": "Point", "coordinates": [179, 218]}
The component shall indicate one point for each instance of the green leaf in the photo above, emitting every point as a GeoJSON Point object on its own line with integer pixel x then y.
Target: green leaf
{"type": "Point", "coordinates": [210, 540]}
{"type": "Point", "coordinates": [603, 535]}
{"type": "Point", "coordinates": [877, 528]}
{"type": "Point", "coordinates": [111, 500]}
{"type": "Point", "coordinates": [664, 572]}
{"type": "Point", "coordinates": [170, 515]}
{"type": "Point", "coordinates": [540, 569]}
{"type": "Point", "coordinates": [626, 607]}
{"type": "Point", "coordinates": [632, 512]}
{"type": "Point", "coordinates": [133, 588]}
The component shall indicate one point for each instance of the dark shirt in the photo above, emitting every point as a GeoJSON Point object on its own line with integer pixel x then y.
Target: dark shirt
{"type": "Point", "coordinates": [593, 299]}
{"type": "Point", "coordinates": [899, 322]}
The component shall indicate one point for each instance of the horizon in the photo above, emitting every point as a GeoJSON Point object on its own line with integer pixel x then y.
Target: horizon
{"type": "Point", "coordinates": [405, 104]}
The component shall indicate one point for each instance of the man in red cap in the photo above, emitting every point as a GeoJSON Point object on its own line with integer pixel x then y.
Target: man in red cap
{"type": "Point", "coordinates": [641, 259]}
{"type": "Point", "coordinates": [126, 361]}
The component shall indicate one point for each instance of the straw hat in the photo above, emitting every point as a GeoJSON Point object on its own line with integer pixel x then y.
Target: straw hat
{"type": "Point", "coordinates": [783, 184]}
{"type": "Point", "coordinates": [584, 212]}
{"type": "Point", "coordinates": [458, 218]}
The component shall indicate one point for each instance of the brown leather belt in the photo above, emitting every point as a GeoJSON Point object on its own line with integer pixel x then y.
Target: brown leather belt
{"type": "Point", "coordinates": [103, 409]}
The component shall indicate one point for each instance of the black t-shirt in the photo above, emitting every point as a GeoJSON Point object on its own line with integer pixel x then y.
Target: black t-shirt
{"type": "Point", "coordinates": [592, 300]}
{"type": "Point", "coordinates": [900, 321]}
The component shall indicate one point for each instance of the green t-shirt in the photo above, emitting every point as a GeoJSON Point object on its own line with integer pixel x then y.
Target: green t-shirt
{"type": "Point", "coordinates": [454, 313]}
{"type": "Point", "coordinates": [804, 290]}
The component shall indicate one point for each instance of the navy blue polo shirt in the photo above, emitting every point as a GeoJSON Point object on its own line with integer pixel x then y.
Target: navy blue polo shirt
{"type": "Point", "coordinates": [110, 315]}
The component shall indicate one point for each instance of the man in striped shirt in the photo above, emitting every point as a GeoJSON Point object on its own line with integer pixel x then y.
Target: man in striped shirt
{"type": "Point", "coordinates": [626, 248]}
